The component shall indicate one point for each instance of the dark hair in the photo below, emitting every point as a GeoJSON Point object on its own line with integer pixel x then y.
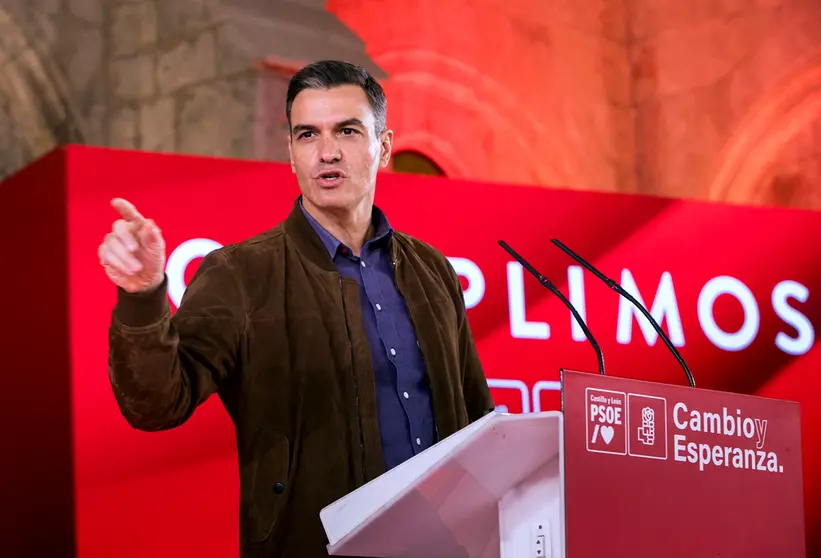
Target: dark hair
{"type": "Point", "coordinates": [326, 74]}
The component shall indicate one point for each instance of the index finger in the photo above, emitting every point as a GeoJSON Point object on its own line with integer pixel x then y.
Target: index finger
{"type": "Point", "coordinates": [127, 210]}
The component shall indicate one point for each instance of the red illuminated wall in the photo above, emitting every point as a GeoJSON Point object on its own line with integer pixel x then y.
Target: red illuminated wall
{"type": "Point", "coordinates": [707, 100]}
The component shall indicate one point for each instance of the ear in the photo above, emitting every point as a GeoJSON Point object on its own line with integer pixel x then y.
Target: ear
{"type": "Point", "coordinates": [289, 139]}
{"type": "Point", "coordinates": [386, 145]}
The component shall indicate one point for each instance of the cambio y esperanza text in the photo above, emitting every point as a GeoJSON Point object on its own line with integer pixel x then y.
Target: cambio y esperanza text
{"type": "Point", "coordinates": [735, 428]}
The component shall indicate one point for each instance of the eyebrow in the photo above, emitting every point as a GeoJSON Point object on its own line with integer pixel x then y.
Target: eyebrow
{"type": "Point", "coordinates": [343, 124]}
{"type": "Point", "coordinates": [350, 122]}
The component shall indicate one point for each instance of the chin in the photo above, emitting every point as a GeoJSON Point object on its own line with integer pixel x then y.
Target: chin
{"type": "Point", "coordinates": [332, 198]}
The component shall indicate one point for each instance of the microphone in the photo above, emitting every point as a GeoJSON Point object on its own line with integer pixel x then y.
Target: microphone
{"type": "Point", "coordinates": [619, 289]}
{"type": "Point", "coordinates": [552, 288]}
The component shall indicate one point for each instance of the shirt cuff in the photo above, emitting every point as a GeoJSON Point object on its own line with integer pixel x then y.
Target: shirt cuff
{"type": "Point", "coordinates": [142, 309]}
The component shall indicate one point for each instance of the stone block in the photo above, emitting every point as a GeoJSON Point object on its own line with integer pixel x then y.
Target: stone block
{"type": "Point", "coordinates": [300, 32]}
{"type": "Point", "coordinates": [46, 7]}
{"type": "Point", "coordinates": [236, 52]}
{"type": "Point", "coordinates": [133, 78]}
{"type": "Point", "coordinates": [158, 125]}
{"type": "Point", "coordinates": [676, 63]}
{"type": "Point", "coordinates": [270, 123]}
{"type": "Point", "coordinates": [599, 18]}
{"type": "Point", "coordinates": [42, 28]}
{"type": "Point", "coordinates": [86, 60]}
{"type": "Point", "coordinates": [95, 125]}
{"type": "Point", "coordinates": [182, 19]}
{"type": "Point", "coordinates": [122, 129]}
{"type": "Point", "coordinates": [134, 27]}
{"type": "Point", "coordinates": [89, 11]}
{"type": "Point", "coordinates": [34, 103]}
{"type": "Point", "coordinates": [187, 63]}
{"type": "Point", "coordinates": [654, 18]}
{"type": "Point", "coordinates": [12, 38]}
{"type": "Point", "coordinates": [218, 119]}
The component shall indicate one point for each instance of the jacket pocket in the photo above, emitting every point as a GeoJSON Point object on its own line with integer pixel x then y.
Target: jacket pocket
{"type": "Point", "coordinates": [263, 488]}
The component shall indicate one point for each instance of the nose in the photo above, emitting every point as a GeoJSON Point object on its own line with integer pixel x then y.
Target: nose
{"type": "Point", "coordinates": [330, 152]}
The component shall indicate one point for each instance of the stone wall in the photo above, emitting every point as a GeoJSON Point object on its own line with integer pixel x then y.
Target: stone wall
{"type": "Point", "coordinates": [727, 99]}
{"type": "Point", "coordinates": [709, 100]}
{"type": "Point", "coordinates": [714, 100]}
{"type": "Point", "coordinates": [182, 76]}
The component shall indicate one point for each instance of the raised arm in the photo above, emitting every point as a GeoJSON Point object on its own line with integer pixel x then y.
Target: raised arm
{"type": "Point", "coordinates": [162, 368]}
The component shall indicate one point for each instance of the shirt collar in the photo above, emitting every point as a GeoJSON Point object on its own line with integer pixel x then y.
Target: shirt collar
{"type": "Point", "coordinates": [382, 231]}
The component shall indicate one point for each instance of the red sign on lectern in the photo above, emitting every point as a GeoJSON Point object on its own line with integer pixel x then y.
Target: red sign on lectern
{"type": "Point", "coordinates": [657, 470]}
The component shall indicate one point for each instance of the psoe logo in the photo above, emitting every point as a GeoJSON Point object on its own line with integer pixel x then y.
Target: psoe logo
{"type": "Point", "coordinates": [605, 413]}
{"type": "Point", "coordinates": [646, 426]}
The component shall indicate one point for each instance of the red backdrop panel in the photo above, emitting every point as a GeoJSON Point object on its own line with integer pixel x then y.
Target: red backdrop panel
{"type": "Point", "coordinates": [140, 494]}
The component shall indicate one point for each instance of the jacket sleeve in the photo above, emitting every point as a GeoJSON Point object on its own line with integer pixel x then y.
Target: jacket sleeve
{"type": "Point", "coordinates": [162, 368]}
{"type": "Point", "coordinates": [478, 400]}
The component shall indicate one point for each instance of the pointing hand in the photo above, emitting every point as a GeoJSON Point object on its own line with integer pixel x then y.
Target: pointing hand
{"type": "Point", "coordinates": [133, 253]}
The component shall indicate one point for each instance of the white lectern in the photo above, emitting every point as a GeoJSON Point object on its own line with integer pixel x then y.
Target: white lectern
{"type": "Point", "coordinates": [629, 468]}
{"type": "Point", "coordinates": [495, 489]}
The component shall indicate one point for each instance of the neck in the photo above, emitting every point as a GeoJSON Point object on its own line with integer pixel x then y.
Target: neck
{"type": "Point", "coordinates": [351, 226]}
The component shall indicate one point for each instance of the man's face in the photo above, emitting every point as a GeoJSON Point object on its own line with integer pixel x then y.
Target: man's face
{"type": "Point", "coordinates": [335, 150]}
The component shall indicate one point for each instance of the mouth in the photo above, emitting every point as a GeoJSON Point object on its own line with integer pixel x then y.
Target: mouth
{"type": "Point", "coordinates": [330, 178]}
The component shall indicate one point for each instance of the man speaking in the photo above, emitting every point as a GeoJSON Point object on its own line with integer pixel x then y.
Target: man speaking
{"type": "Point", "coordinates": [339, 347]}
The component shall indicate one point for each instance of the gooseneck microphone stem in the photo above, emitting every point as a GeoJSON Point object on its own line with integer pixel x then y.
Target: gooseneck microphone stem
{"type": "Point", "coordinates": [546, 283]}
{"type": "Point", "coordinates": [619, 289]}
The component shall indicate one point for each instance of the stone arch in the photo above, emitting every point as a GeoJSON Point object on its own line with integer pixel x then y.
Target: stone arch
{"type": "Point", "coordinates": [35, 106]}
{"type": "Point", "coordinates": [764, 134]}
{"type": "Point", "coordinates": [449, 111]}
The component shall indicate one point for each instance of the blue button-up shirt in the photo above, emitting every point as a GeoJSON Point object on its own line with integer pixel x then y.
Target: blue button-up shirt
{"type": "Point", "coordinates": [406, 423]}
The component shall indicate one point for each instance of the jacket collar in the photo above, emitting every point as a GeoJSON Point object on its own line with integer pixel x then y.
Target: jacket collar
{"type": "Point", "coordinates": [382, 232]}
{"type": "Point", "coordinates": [310, 245]}
{"type": "Point", "coordinates": [299, 231]}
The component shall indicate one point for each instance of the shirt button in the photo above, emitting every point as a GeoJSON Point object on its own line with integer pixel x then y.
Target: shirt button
{"type": "Point", "coordinates": [418, 442]}
{"type": "Point", "coordinates": [379, 307]}
{"type": "Point", "coordinates": [363, 264]}
{"type": "Point", "coordinates": [393, 352]}
{"type": "Point", "coordinates": [406, 394]}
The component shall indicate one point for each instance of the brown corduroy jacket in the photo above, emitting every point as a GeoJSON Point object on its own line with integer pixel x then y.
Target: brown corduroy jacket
{"type": "Point", "coordinates": [271, 327]}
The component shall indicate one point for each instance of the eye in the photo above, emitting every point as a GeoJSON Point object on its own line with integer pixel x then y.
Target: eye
{"type": "Point", "coordinates": [305, 135]}
{"type": "Point", "coordinates": [349, 131]}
